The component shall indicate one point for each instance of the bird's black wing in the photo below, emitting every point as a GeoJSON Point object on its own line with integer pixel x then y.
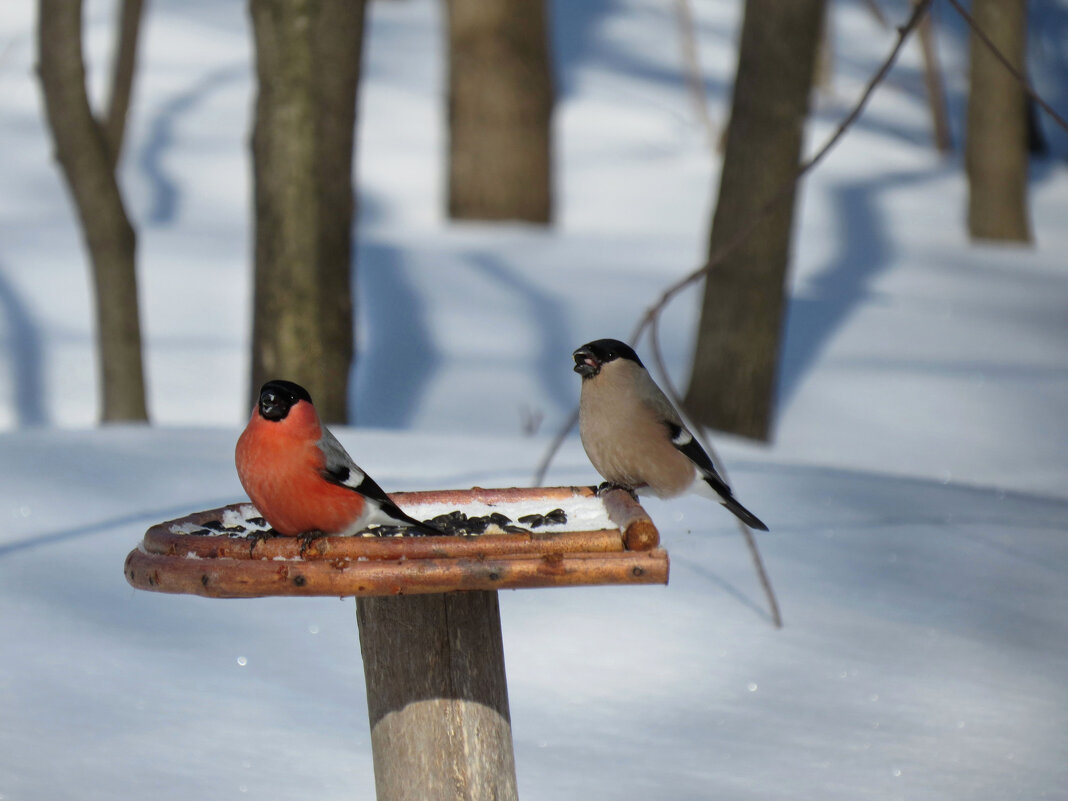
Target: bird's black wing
{"type": "Point", "coordinates": [358, 481]}
{"type": "Point", "coordinates": [688, 445]}
{"type": "Point", "coordinates": [338, 468]}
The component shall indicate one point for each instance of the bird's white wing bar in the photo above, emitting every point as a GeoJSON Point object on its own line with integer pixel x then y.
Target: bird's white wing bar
{"type": "Point", "coordinates": [680, 437]}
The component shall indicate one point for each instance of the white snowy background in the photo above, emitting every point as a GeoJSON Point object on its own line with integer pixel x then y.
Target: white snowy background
{"type": "Point", "coordinates": [917, 487]}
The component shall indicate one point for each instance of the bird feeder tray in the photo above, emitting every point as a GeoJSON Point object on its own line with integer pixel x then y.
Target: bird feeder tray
{"type": "Point", "coordinates": [229, 552]}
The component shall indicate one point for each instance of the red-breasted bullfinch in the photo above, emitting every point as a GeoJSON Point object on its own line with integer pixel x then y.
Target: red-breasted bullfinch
{"type": "Point", "coordinates": [635, 437]}
{"type": "Point", "coordinates": [299, 476]}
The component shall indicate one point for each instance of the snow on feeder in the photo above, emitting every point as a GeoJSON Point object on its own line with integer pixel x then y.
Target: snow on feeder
{"type": "Point", "coordinates": [427, 607]}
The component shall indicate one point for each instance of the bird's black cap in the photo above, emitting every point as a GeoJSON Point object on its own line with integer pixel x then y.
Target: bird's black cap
{"type": "Point", "coordinates": [591, 356]}
{"type": "Point", "coordinates": [278, 397]}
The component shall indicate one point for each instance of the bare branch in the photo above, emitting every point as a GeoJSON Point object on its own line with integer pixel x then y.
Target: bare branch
{"type": "Point", "coordinates": [114, 122]}
{"type": "Point", "coordinates": [692, 65]}
{"type": "Point", "coordinates": [82, 153]}
{"type": "Point", "coordinates": [936, 91]}
{"type": "Point", "coordinates": [750, 540]}
{"type": "Point", "coordinates": [904, 31]}
{"type": "Point", "coordinates": [554, 446]}
{"type": "Point", "coordinates": [1008, 65]}
{"type": "Point", "coordinates": [784, 191]}
{"type": "Point", "coordinates": [651, 318]}
{"type": "Point", "coordinates": [877, 12]}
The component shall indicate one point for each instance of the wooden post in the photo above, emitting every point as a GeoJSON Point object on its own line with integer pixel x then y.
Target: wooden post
{"type": "Point", "coordinates": [437, 698]}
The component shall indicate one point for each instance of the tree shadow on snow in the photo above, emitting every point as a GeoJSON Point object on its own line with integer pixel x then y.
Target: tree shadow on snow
{"type": "Point", "coordinates": [822, 305]}
{"type": "Point", "coordinates": [398, 359]}
{"type": "Point", "coordinates": [577, 40]}
{"type": "Point", "coordinates": [62, 536]}
{"type": "Point", "coordinates": [545, 316]}
{"type": "Point", "coordinates": [27, 359]}
{"type": "Point", "coordinates": [161, 137]}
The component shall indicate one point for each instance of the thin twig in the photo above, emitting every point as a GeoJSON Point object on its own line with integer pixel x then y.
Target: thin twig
{"type": "Point", "coordinates": [786, 188]}
{"type": "Point", "coordinates": [554, 446]}
{"type": "Point", "coordinates": [903, 32]}
{"type": "Point", "coordinates": [877, 12]}
{"type": "Point", "coordinates": [1021, 79]}
{"type": "Point", "coordinates": [750, 540]}
{"type": "Point", "coordinates": [692, 66]}
{"type": "Point", "coordinates": [651, 319]}
{"type": "Point", "coordinates": [113, 120]}
{"type": "Point", "coordinates": [762, 574]}
{"type": "Point", "coordinates": [936, 90]}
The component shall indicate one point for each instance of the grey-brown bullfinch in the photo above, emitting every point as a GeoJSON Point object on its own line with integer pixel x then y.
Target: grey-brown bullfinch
{"type": "Point", "coordinates": [635, 437]}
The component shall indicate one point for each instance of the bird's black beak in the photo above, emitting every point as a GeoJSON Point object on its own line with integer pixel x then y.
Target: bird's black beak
{"type": "Point", "coordinates": [272, 407]}
{"type": "Point", "coordinates": [586, 364]}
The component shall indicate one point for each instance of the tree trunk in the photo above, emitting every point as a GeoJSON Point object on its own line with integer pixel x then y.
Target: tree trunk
{"type": "Point", "coordinates": [286, 332]}
{"type": "Point", "coordinates": [307, 63]}
{"type": "Point", "coordinates": [437, 697]}
{"type": "Point", "coordinates": [337, 52]}
{"type": "Point", "coordinates": [996, 146]}
{"type": "Point", "coordinates": [732, 386]}
{"type": "Point", "coordinates": [500, 110]}
{"type": "Point", "coordinates": [87, 160]}
{"type": "Point", "coordinates": [129, 24]}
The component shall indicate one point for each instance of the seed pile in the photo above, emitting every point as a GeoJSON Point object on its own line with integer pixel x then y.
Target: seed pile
{"type": "Point", "coordinates": [555, 517]}
{"type": "Point", "coordinates": [456, 524]}
{"type": "Point", "coordinates": [235, 530]}
{"type": "Point", "coordinates": [459, 524]}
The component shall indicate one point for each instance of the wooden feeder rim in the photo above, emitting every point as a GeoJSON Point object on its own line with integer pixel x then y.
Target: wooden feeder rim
{"type": "Point", "coordinates": [218, 564]}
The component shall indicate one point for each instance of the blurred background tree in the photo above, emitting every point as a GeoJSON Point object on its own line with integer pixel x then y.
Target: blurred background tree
{"type": "Point", "coordinates": [996, 147]}
{"type": "Point", "coordinates": [500, 110]}
{"type": "Point", "coordinates": [88, 148]}
{"type": "Point", "coordinates": [732, 384]}
{"type": "Point", "coordinates": [500, 104]}
{"type": "Point", "coordinates": [307, 69]}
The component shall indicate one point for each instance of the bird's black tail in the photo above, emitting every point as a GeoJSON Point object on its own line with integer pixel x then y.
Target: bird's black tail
{"type": "Point", "coordinates": [401, 518]}
{"type": "Point", "coordinates": [744, 514]}
{"type": "Point", "coordinates": [726, 497]}
{"type": "Point", "coordinates": [421, 529]}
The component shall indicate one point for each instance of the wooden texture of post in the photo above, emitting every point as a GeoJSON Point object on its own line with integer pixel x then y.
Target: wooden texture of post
{"type": "Point", "coordinates": [437, 697]}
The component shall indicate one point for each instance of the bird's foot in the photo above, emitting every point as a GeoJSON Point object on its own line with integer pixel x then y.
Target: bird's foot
{"type": "Point", "coordinates": [257, 536]}
{"type": "Point", "coordinates": [307, 538]}
{"type": "Point", "coordinates": [608, 485]}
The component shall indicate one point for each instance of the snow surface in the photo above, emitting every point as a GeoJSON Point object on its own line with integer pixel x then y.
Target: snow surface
{"type": "Point", "coordinates": [917, 488]}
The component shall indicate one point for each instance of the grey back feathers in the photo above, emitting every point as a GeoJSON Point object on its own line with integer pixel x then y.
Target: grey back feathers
{"type": "Point", "coordinates": [339, 468]}
{"type": "Point", "coordinates": [337, 463]}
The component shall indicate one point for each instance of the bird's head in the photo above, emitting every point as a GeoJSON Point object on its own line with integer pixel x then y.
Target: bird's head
{"type": "Point", "coordinates": [278, 397]}
{"type": "Point", "coordinates": [591, 357]}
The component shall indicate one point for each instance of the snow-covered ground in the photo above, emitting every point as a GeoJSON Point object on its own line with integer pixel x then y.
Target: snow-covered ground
{"type": "Point", "coordinates": [917, 487]}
